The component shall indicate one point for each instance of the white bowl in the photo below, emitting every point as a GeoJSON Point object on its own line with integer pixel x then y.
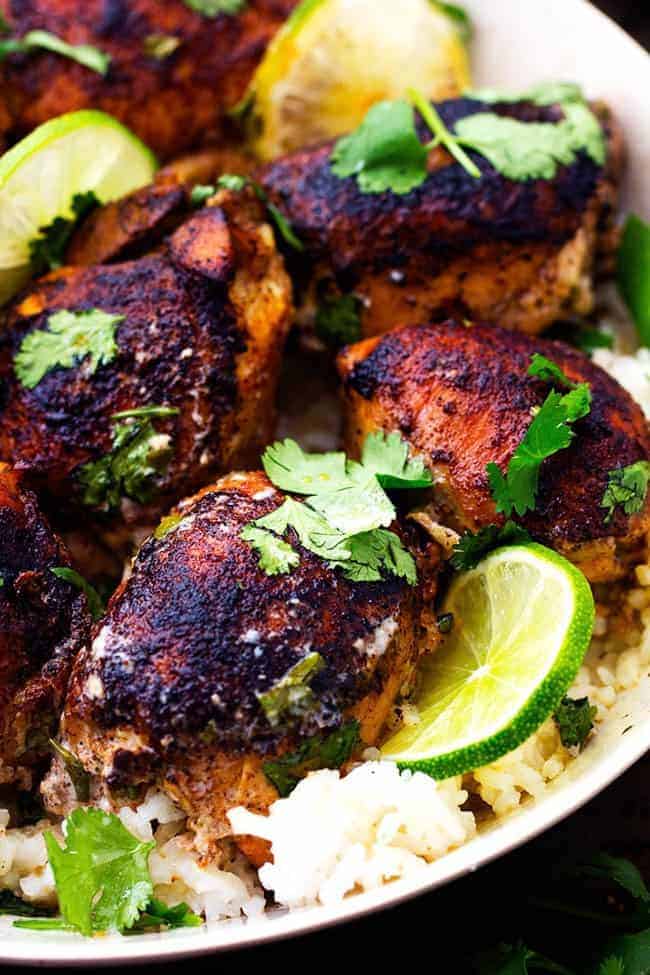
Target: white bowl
{"type": "Point", "coordinates": [517, 44]}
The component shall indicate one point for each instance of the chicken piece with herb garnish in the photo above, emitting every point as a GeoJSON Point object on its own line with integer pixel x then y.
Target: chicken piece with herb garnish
{"type": "Point", "coordinates": [128, 386]}
{"type": "Point", "coordinates": [502, 224]}
{"type": "Point", "coordinates": [510, 426]}
{"type": "Point", "coordinates": [44, 619]}
{"type": "Point", "coordinates": [172, 70]}
{"type": "Point", "coordinates": [232, 661]}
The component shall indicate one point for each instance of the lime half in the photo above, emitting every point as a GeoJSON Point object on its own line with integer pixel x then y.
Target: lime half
{"type": "Point", "coordinates": [40, 176]}
{"type": "Point", "coordinates": [522, 623]}
{"type": "Point", "coordinates": [334, 59]}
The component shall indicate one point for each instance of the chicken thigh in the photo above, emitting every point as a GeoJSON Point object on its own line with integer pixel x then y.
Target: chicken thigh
{"type": "Point", "coordinates": [462, 397]}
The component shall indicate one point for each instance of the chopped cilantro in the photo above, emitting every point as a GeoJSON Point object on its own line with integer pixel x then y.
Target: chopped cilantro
{"type": "Point", "coordinates": [634, 273]}
{"type": "Point", "coordinates": [230, 181]}
{"type": "Point", "coordinates": [627, 487]}
{"type": "Point", "coordinates": [160, 46]}
{"type": "Point", "coordinates": [212, 8]}
{"type": "Point", "coordinates": [95, 601]}
{"type": "Point", "coordinates": [375, 553]}
{"type": "Point", "coordinates": [10, 904]}
{"type": "Point", "coordinates": [387, 455]}
{"type": "Point", "coordinates": [159, 917]}
{"type": "Point", "coordinates": [71, 337]}
{"type": "Point", "coordinates": [474, 546]}
{"type": "Point", "coordinates": [276, 556]}
{"type": "Point", "coordinates": [361, 506]}
{"type": "Point", "coordinates": [200, 193]}
{"type": "Point", "coordinates": [550, 431]}
{"type": "Point", "coordinates": [101, 873]}
{"type": "Point", "coordinates": [316, 753]}
{"type": "Point", "coordinates": [548, 371]}
{"type": "Point", "coordinates": [460, 18]}
{"type": "Point", "coordinates": [138, 457]}
{"type": "Point", "coordinates": [78, 776]}
{"type": "Point", "coordinates": [544, 94]}
{"type": "Point", "coordinates": [292, 694]}
{"type": "Point", "coordinates": [338, 321]}
{"type": "Point", "coordinates": [90, 57]}
{"type": "Point", "coordinates": [575, 721]}
{"type": "Point", "coordinates": [47, 251]}
{"type": "Point", "coordinates": [290, 468]}
{"type": "Point", "coordinates": [314, 532]}
{"type": "Point", "coordinates": [167, 525]}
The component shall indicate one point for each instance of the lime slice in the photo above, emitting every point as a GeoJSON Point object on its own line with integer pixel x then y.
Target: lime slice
{"type": "Point", "coordinates": [334, 59]}
{"type": "Point", "coordinates": [523, 620]}
{"type": "Point", "coordinates": [41, 174]}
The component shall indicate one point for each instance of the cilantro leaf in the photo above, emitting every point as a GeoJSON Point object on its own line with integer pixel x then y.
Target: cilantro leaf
{"type": "Point", "coordinates": [138, 457]}
{"type": "Point", "coordinates": [622, 872]}
{"type": "Point", "coordinates": [230, 181]}
{"type": "Point", "coordinates": [200, 193]}
{"type": "Point", "coordinates": [313, 531]}
{"type": "Point", "coordinates": [316, 753]}
{"type": "Point", "coordinates": [473, 547]}
{"type": "Point", "coordinates": [517, 960]}
{"type": "Point", "coordinates": [387, 456]}
{"type": "Point", "coordinates": [101, 874]}
{"type": "Point", "coordinates": [548, 371]}
{"type": "Point", "coordinates": [338, 321]}
{"type": "Point", "coordinates": [84, 54]}
{"type": "Point", "coordinates": [47, 251]}
{"type": "Point", "coordinates": [627, 487]}
{"type": "Point", "coordinates": [634, 273]}
{"type": "Point", "coordinates": [373, 553]}
{"type": "Point", "coordinates": [69, 339]}
{"type": "Point", "coordinates": [544, 94]}
{"type": "Point", "coordinates": [167, 525]}
{"type": "Point", "coordinates": [292, 694]}
{"type": "Point", "coordinates": [160, 46]}
{"type": "Point", "coordinates": [575, 721]}
{"type": "Point", "coordinates": [10, 904]}
{"type": "Point", "coordinates": [212, 8]}
{"type": "Point", "coordinates": [460, 18]}
{"type": "Point", "coordinates": [276, 556]}
{"type": "Point", "coordinates": [630, 951]}
{"type": "Point", "coordinates": [158, 916]}
{"type": "Point", "coordinates": [95, 601]}
{"type": "Point", "coordinates": [384, 153]}
{"type": "Point", "coordinates": [358, 507]}
{"type": "Point", "coordinates": [549, 432]}
{"type": "Point", "coordinates": [290, 468]}
{"type": "Point", "coordinates": [612, 966]}
{"type": "Point", "coordinates": [78, 776]}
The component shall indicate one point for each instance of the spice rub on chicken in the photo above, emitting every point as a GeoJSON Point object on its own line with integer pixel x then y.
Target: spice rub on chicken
{"type": "Point", "coordinates": [128, 386]}
{"type": "Point", "coordinates": [519, 252]}
{"type": "Point", "coordinates": [206, 667]}
{"type": "Point", "coordinates": [43, 622]}
{"type": "Point", "coordinates": [174, 73]}
{"type": "Point", "coordinates": [463, 398]}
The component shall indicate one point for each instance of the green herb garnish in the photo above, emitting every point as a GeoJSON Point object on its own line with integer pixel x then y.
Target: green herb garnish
{"type": "Point", "coordinates": [10, 904]}
{"type": "Point", "coordinates": [338, 321]}
{"type": "Point", "coordinates": [138, 457]}
{"type": "Point", "coordinates": [47, 251]}
{"type": "Point", "coordinates": [316, 753]}
{"type": "Point", "coordinates": [230, 181]}
{"type": "Point", "coordinates": [575, 721]}
{"type": "Point", "coordinates": [167, 525]}
{"type": "Point", "coordinates": [474, 546]}
{"type": "Point", "coordinates": [71, 337]}
{"type": "Point", "coordinates": [387, 456]}
{"type": "Point", "coordinates": [34, 40]}
{"type": "Point", "coordinates": [95, 601]}
{"type": "Point", "coordinates": [212, 8]}
{"type": "Point", "coordinates": [544, 94]}
{"type": "Point", "coordinates": [158, 917]}
{"type": "Point", "coordinates": [78, 776]}
{"type": "Point", "coordinates": [276, 556]}
{"type": "Point", "coordinates": [160, 46]}
{"type": "Point", "coordinates": [460, 18]}
{"type": "Point", "coordinates": [292, 694]}
{"type": "Point", "coordinates": [634, 273]}
{"type": "Point", "coordinates": [200, 193]}
{"type": "Point", "coordinates": [627, 487]}
{"type": "Point", "coordinates": [549, 372]}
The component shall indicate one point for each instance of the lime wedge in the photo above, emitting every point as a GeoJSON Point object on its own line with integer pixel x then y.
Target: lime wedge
{"type": "Point", "coordinates": [40, 176]}
{"type": "Point", "coordinates": [334, 59]}
{"type": "Point", "coordinates": [523, 621]}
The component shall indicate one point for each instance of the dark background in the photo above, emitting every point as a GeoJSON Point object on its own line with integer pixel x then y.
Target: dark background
{"type": "Point", "coordinates": [441, 932]}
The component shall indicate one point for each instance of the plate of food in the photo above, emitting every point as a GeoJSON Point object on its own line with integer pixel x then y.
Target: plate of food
{"type": "Point", "coordinates": [324, 456]}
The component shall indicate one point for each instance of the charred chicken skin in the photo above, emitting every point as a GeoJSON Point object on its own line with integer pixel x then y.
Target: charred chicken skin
{"type": "Point", "coordinates": [518, 253]}
{"type": "Point", "coordinates": [172, 102]}
{"type": "Point", "coordinates": [170, 691]}
{"type": "Point", "coordinates": [202, 329]}
{"type": "Point", "coordinates": [43, 622]}
{"type": "Point", "coordinates": [461, 396]}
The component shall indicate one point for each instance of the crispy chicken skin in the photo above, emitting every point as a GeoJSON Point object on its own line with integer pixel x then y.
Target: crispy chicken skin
{"type": "Point", "coordinates": [172, 103]}
{"type": "Point", "coordinates": [517, 253]}
{"type": "Point", "coordinates": [43, 621]}
{"type": "Point", "coordinates": [167, 692]}
{"type": "Point", "coordinates": [461, 397]}
{"type": "Point", "coordinates": [205, 319]}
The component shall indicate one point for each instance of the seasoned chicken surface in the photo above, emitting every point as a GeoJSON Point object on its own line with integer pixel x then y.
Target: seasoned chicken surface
{"type": "Point", "coordinates": [517, 253]}
{"type": "Point", "coordinates": [172, 102]}
{"type": "Point", "coordinates": [462, 398]}
{"type": "Point", "coordinates": [43, 622]}
{"type": "Point", "coordinates": [204, 323]}
{"type": "Point", "coordinates": [169, 691]}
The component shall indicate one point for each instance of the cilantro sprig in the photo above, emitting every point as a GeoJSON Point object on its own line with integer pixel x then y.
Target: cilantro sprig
{"type": "Point", "coordinates": [236, 183]}
{"type": "Point", "coordinates": [550, 431]}
{"type": "Point", "coordinates": [34, 40]}
{"type": "Point", "coordinates": [71, 338]}
{"type": "Point", "coordinates": [47, 250]}
{"type": "Point", "coordinates": [627, 487]}
{"type": "Point", "coordinates": [346, 512]}
{"type": "Point", "coordinates": [315, 753]}
{"type": "Point", "coordinates": [95, 601]}
{"type": "Point", "coordinates": [575, 721]}
{"type": "Point", "coordinates": [474, 546]}
{"type": "Point", "coordinates": [292, 694]}
{"type": "Point", "coordinates": [338, 321]}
